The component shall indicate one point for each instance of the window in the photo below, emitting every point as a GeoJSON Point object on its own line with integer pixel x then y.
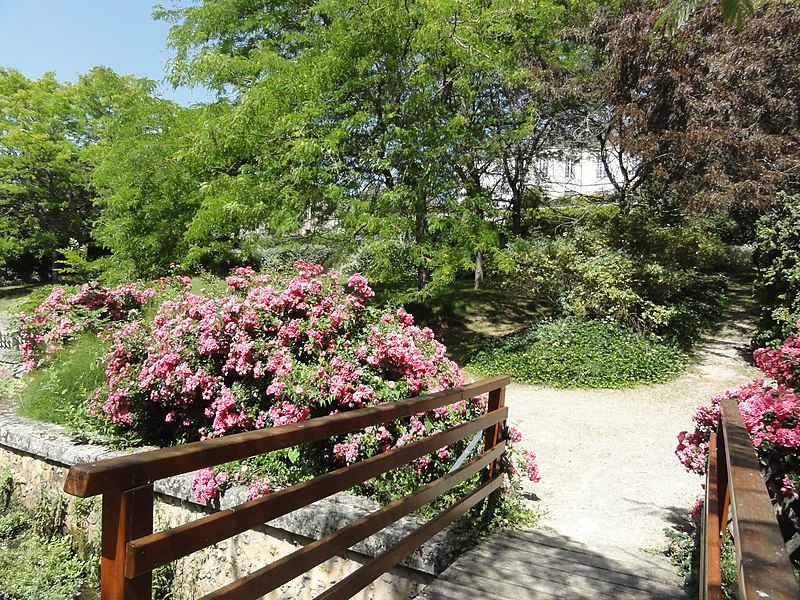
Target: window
{"type": "Point", "coordinates": [600, 168]}
{"type": "Point", "coordinates": [542, 165]}
{"type": "Point", "coordinates": [569, 167]}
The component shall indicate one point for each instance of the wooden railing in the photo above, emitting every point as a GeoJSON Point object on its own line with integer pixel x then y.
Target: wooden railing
{"type": "Point", "coordinates": [130, 550]}
{"type": "Point", "coordinates": [734, 482]}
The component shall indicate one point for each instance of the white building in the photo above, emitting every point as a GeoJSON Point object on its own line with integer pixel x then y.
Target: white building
{"type": "Point", "coordinates": [576, 173]}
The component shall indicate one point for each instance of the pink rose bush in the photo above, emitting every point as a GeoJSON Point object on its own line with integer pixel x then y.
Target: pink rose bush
{"type": "Point", "coordinates": [264, 351]}
{"type": "Point", "coordinates": [770, 410]}
{"type": "Point", "coordinates": [63, 315]}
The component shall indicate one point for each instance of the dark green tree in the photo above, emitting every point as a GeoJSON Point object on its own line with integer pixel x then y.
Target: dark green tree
{"type": "Point", "coordinates": [45, 197]}
{"type": "Point", "coordinates": [777, 261]}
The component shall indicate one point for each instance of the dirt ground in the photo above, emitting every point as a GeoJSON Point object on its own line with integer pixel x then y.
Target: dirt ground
{"type": "Point", "coordinates": [607, 457]}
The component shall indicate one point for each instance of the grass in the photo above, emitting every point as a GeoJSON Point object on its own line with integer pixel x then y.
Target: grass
{"type": "Point", "coordinates": [570, 353]}
{"type": "Point", "coordinates": [11, 296]}
{"type": "Point", "coordinates": [59, 393]}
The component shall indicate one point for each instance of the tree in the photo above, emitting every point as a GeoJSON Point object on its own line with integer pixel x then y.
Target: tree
{"type": "Point", "coordinates": [777, 260]}
{"type": "Point", "coordinates": [147, 185]}
{"type": "Point", "coordinates": [707, 111]}
{"type": "Point", "coordinates": [45, 197]}
{"type": "Point", "coordinates": [373, 127]}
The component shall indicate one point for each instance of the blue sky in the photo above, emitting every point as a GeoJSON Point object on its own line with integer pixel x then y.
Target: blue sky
{"type": "Point", "coordinates": [71, 36]}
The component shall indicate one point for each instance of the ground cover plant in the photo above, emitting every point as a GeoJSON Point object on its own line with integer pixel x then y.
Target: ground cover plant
{"type": "Point", "coordinates": [38, 558]}
{"type": "Point", "coordinates": [571, 352]}
{"type": "Point", "coordinates": [265, 349]}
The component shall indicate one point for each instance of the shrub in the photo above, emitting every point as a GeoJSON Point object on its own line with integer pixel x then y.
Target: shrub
{"type": "Point", "coordinates": [777, 260]}
{"type": "Point", "coordinates": [62, 316]}
{"type": "Point", "coordinates": [269, 350]}
{"type": "Point", "coordinates": [574, 353]}
{"type": "Point", "coordinates": [582, 274]}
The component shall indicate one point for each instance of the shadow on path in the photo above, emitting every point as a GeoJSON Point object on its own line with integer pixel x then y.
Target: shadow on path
{"type": "Point", "coordinates": [520, 565]}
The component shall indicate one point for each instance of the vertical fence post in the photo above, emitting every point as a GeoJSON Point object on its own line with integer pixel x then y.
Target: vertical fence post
{"type": "Point", "coordinates": [713, 522]}
{"type": "Point", "coordinates": [492, 435]}
{"type": "Point", "coordinates": [127, 515]}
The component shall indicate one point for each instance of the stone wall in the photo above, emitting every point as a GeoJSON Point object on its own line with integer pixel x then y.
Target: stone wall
{"type": "Point", "coordinates": [39, 456]}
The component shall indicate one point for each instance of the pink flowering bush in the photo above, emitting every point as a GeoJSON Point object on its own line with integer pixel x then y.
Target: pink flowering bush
{"type": "Point", "coordinates": [64, 315]}
{"type": "Point", "coordinates": [264, 351]}
{"type": "Point", "coordinates": [770, 410]}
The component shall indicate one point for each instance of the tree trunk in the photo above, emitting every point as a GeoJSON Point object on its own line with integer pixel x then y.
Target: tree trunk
{"type": "Point", "coordinates": [478, 270]}
{"type": "Point", "coordinates": [421, 235]}
{"type": "Point", "coordinates": [516, 212]}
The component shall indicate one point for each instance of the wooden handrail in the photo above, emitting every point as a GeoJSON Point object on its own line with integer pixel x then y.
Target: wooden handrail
{"type": "Point", "coordinates": [734, 481]}
{"type": "Point", "coordinates": [130, 549]}
{"type": "Point", "coordinates": [143, 468]}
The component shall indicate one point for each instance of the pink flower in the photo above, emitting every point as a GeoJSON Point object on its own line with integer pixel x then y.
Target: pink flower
{"type": "Point", "coordinates": [532, 467]}
{"type": "Point", "coordinates": [514, 435]}
{"type": "Point", "coordinates": [285, 413]}
{"type": "Point", "coordinates": [349, 450]}
{"type": "Point", "coordinates": [258, 488]}
{"type": "Point", "coordinates": [204, 485]}
{"type": "Point", "coordinates": [787, 488]}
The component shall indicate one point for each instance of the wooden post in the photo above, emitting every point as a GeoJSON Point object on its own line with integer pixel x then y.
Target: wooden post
{"type": "Point", "coordinates": [127, 515]}
{"type": "Point", "coordinates": [710, 566]}
{"type": "Point", "coordinates": [492, 435]}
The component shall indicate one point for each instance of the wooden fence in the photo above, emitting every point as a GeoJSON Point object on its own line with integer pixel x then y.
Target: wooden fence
{"type": "Point", "coordinates": [734, 482]}
{"type": "Point", "coordinates": [130, 549]}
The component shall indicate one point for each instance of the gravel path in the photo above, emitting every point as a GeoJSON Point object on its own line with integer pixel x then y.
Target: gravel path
{"type": "Point", "coordinates": [609, 471]}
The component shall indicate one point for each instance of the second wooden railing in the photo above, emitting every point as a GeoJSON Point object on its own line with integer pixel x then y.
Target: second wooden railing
{"type": "Point", "coordinates": [734, 483]}
{"type": "Point", "coordinates": [131, 550]}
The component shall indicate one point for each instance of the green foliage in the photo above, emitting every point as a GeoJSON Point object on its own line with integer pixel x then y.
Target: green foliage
{"type": "Point", "coordinates": [683, 551]}
{"type": "Point", "coordinates": [44, 194]}
{"type": "Point", "coordinates": [60, 393]}
{"type": "Point", "coordinates": [6, 487]}
{"type": "Point", "coordinates": [146, 182]}
{"type": "Point", "coordinates": [49, 514]}
{"type": "Point", "coordinates": [570, 352]}
{"type": "Point", "coordinates": [75, 266]}
{"type": "Point", "coordinates": [368, 128]}
{"type": "Point", "coordinates": [41, 568]}
{"type": "Point", "coordinates": [777, 261]}
{"type": "Point", "coordinates": [629, 268]}
{"type": "Point", "coordinates": [37, 558]}
{"type": "Point", "coordinates": [12, 524]}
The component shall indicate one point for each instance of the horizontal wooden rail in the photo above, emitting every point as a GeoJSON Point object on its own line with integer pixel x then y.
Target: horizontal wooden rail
{"type": "Point", "coordinates": [734, 481]}
{"type": "Point", "coordinates": [287, 568]}
{"type": "Point", "coordinates": [158, 549]}
{"type": "Point", "coordinates": [130, 549]}
{"type": "Point", "coordinates": [143, 468]}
